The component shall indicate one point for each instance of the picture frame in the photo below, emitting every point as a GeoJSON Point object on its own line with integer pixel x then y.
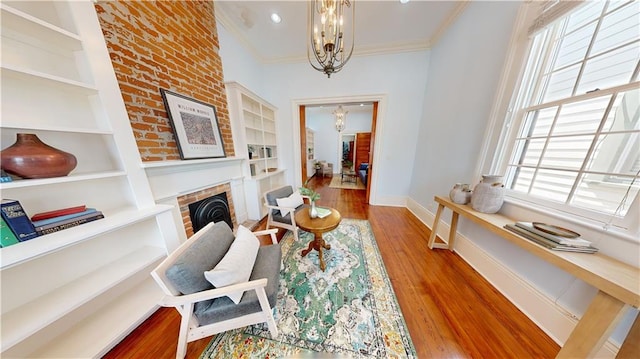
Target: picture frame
{"type": "Point", "coordinates": [195, 126]}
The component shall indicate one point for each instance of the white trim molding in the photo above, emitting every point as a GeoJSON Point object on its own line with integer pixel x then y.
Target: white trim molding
{"type": "Point", "coordinates": [381, 99]}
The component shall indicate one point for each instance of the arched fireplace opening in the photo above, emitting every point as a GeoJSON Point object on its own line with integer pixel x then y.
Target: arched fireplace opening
{"type": "Point", "coordinates": [211, 209]}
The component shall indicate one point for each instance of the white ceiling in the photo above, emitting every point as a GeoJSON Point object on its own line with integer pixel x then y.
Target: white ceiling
{"type": "Point", "coordinates": [382, 26]}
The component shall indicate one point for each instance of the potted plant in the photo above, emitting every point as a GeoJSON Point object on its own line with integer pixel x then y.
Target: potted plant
{"type": "Point", "coordinates": [313, 197]}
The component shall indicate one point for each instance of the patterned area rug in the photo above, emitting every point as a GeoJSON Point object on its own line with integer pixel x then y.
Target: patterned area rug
{"type": "Point", "coordinates": [336, 182]}
{"type": "Point", "coordinates": [348, 311]}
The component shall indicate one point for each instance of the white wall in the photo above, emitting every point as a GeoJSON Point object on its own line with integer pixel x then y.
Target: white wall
{"type": "Point", "coordinates": [326, 141]}
{"type": "Point", "coordinates": [237, 63]}
{"type": "Point", "coordinates": [465, 68]}
{"type": "Point", "coordinates": [401, 77]}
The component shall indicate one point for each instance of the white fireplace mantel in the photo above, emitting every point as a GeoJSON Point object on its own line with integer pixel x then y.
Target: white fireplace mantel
{"type": "Point", "coordinates": [171, 179]}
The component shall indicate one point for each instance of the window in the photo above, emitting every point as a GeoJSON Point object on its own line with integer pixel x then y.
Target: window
{"type": "Point", "coordinates": [576, 112]}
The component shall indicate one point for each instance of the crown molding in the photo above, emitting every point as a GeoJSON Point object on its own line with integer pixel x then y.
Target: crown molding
{"type": "Point", "coordinates": [225, 20]}
{"type": "Point", "coordinates": [448, 21]}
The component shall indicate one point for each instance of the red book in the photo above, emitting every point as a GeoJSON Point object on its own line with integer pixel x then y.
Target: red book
{"type": "Point", "coordinates": [57, 213]}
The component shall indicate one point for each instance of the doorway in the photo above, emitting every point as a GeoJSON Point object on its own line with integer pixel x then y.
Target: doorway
{"type": "Point", "coordinates": [377, 102]}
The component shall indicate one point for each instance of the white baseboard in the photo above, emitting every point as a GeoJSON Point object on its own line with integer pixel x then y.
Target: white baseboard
{"type": "Point", "coordinates": [555, 321]}
{"type": "Point", "coordinates": [391, 201]}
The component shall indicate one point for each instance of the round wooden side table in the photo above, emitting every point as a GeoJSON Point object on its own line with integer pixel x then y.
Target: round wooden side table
{"type": "Point", "coordinates": [317, 226]}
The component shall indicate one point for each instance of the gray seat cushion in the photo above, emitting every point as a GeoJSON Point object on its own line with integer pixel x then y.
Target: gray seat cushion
{"type": "Point", "coordinates": [267, 266]}
{"type": "Point", "coordinates": [277, 216]}
{"type": "Point", "coordinates": [187, 273]}
{"type": "Point", "coordinates": [271, 200]}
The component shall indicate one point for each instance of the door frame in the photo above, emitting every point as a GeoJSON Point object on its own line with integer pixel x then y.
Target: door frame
{"type": "Point", "coordinates": [377, 128]}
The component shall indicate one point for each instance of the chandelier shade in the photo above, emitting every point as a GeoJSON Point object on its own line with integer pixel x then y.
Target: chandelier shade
{"type": "Point", "coordinates": [341, 118]}
{"type": "Point", "coordinates": [326, 28]}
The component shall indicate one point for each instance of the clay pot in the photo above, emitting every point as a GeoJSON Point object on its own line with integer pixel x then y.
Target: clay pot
{"type": "Point", "coordinates": [31, 158]}
{"type": "Point", "coordinates": [488, 195]}
{"type": "Point", "coordinates": [460, 193]}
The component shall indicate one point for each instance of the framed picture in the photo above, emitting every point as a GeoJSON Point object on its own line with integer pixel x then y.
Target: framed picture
{"type": "Point", "coordinates": [195, 125]}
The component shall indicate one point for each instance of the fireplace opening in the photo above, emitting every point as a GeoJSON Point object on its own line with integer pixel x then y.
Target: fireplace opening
{"type": "Point", "coordinates": [211, 209]}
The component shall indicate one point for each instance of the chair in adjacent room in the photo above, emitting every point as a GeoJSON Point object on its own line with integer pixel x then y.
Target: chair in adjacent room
{"type": "Point", "coordinates": [245, 290]}
{"type": "Point", "coordinates": [282, 203]}
{"type": "Point", "coordinates": [327, 169]}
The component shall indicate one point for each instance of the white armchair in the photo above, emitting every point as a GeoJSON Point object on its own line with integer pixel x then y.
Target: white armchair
{"type": "Point", "coordinates": [283, 216]}
{"type": "Point", "coordinates": [326, 169]}
{"type": "Point", "coordinates": [206, 310]}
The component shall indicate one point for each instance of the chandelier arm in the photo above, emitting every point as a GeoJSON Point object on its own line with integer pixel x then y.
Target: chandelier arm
{"type": "Point", "coordinates": [353, 36]}
{"type": "Point", "coordinates": [311, 21]}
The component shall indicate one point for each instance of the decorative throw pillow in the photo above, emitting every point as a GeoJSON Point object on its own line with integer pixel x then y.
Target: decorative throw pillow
{"type": "Point", "coordinates": [236, 266]}
{"type": "Point", "coordinates": [293, 201]}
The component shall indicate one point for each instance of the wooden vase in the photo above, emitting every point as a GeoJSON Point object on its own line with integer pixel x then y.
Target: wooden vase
{"type": "Point", "coordinates": [29, 157]}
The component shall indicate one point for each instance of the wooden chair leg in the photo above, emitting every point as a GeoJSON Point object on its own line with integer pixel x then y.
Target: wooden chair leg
{"type": "Point", "coordinates": [268, 312]}
{"type": "Point", "coordinates": [185, 312]}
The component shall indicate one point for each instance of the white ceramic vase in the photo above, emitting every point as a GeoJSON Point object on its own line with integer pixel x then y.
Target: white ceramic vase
{"type": "Point", "coordinates": [460, 193]}
{"type": "Point", "coordinates": [488, 195]}
{"type": "Point", "coordinates": [313, 212]}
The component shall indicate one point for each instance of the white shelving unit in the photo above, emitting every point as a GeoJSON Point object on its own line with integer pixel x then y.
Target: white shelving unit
{"type": "Point", "coordinates": [254, 127]}
{"type": "Point", "coordinates": [311, 149]}
{"type": "Point", "coordinates": [77, 292]}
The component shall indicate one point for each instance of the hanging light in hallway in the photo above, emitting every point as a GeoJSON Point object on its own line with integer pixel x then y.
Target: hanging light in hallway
{"type": "Point", "coordinates": [341, 117]}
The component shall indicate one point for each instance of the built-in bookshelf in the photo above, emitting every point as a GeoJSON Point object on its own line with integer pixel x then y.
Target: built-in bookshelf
{"type": "Point", "coordinates": [76, 292]}
{"type": "Point", "coordinates": [310, 152]}
{"type": "Point", "coordinates": [254, 129]}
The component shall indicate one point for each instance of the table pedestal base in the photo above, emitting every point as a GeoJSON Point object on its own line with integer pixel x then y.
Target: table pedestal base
{"type": "Point", "coordinates": [318, 244]}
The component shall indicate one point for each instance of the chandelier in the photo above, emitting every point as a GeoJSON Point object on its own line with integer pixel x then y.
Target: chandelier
{"type": "Point", "coordinates": [341, 116]}
{"type": "Point", "coordinates": [326, 27]}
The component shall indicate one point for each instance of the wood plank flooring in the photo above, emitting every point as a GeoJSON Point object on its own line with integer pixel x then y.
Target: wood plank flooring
{"type": "Point", "coordinates": [450, 310]}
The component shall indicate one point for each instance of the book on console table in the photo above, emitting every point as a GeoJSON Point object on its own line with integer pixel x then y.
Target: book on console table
{"type": "Point", "coordinates": [17, 219]}
{"type": "Point", "coordinates": [574, 242]}
{"type": "Point", "coordinates": [547, 243]}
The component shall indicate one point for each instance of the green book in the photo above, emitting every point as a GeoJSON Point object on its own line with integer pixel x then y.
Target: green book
{"type": "Point", "coordinates": [8, 237]}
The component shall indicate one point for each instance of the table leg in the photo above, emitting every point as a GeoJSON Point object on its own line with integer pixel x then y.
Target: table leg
{"type": "Point", "coordinates": [453, 230]}
{"type": "Point", "coordinates": [594, 328]}
{"type": "Point", "coordinates": [631, 345]}
{"type": "Point", "coordinates": [434, 229]}
{"type": "Point", "coordinates": [318, 243]}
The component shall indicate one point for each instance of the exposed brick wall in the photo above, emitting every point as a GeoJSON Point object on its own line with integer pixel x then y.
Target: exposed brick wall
{"type": "Point", "coordinates": [186, 200]}
{"type": "Point", "coordinates": [164, 44]}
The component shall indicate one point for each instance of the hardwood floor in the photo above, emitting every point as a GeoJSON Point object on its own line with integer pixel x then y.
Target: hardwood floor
{"type": "Point", "coordinates": [450, 310]}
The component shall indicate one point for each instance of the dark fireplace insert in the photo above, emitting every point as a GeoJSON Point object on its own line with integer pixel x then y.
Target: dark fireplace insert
{"type": "Point", "coordinates": [211, 209]}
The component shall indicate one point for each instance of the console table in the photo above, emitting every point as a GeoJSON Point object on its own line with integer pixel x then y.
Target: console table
{"type": "Point", "coordinates": [618, 283]}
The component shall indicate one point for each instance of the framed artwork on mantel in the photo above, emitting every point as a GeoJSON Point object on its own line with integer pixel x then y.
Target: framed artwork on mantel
{"type": "Point", "coordinates": [195, 126]}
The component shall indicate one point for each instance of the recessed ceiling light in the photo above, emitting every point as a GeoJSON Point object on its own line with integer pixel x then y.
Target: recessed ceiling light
{"type": "Point", "coordinates": [276, 18]}
{"type": "Point", "coordinates": [404, 1]}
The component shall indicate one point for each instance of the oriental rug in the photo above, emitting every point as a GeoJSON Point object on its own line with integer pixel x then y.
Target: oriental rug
{"type": "Point", "coordinates": [347, 311]}
{"type": "Point", "coordinates": [336, 182]}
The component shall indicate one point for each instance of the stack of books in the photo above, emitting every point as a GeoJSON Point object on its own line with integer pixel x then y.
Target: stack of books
{"type": "Point", "coordinates": [57, 220]}
{"type": "Point", "coordinates": [560, 240]}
